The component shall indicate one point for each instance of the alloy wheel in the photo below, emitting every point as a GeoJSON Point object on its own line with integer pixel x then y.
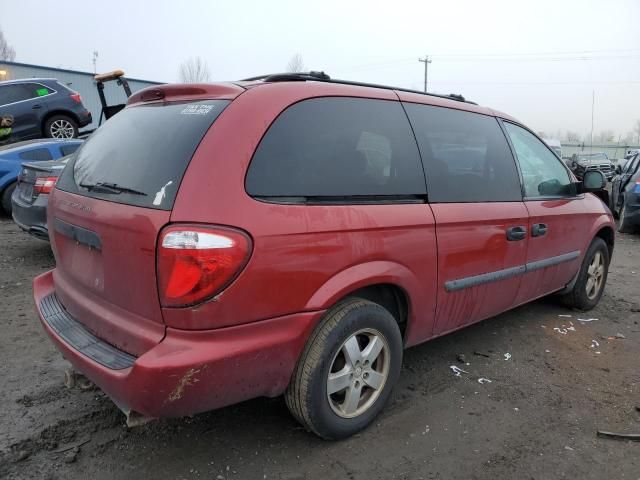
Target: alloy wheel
{"type": "Point", "coordinates": [358, 373]}
{"type": "Point", "coordinates": [62, 129]}
{"type": "Point", "coordinates": [595, 276]}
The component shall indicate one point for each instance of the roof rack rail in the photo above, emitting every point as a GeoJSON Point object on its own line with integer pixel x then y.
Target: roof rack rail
{"type": "Point", "coordinates": [323, 77]}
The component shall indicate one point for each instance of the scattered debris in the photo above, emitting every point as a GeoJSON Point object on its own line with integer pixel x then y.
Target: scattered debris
{"type": "Point", "coordinates": [72, 456]}
{"type": "Point", "coordinates": [587, 320]}
{"type": "Point", "coordinates": [480, 354]}
{"type": "Point", "coordinates": [457, 370]}
{"type": "Point", "coordinates": [507, 356]}
{"type": "Point", "coordinates": [594, 344]}
{"type": "Point", "coordinates": [483, 380]}
{"type": "Point", "coordinates": [547, 351]}
{"type": "Point", "coordinates": [426, 430]}
{"type": "Point", "coordinates": [567, 447]}
{"type": "Point", "coordinates": [72, 446]}
{"type": "Point", "coordinates": [461, 358]}
{"type": "Point", "coordinates": [23, 455]}
{"type": "Point", "coordinates": [565, 316]}
{"type": "Point", "coordinates": [620, 335]}
{"type": "Point", "coordinates": [635, 437]}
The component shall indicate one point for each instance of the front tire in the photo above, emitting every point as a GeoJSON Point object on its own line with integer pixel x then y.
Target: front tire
{"type": "Point", "coordinates": [61, 126]}
{"type": "Point", "coordinates": [6, 198]}
{"type": "Point", "coordinates": [592, 277]}
{"type": "Point", "coordinates": [347, 370]}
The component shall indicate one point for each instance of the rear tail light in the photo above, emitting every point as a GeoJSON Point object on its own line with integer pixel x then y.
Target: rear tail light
{"type": "Point", "coordinates": [76, 97]}
{"type": "Point", "coordinates": [195, 263]}
{"type": "Point", "coordinates": [45, 184]}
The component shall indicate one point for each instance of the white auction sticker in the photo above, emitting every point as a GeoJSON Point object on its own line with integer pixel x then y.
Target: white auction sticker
{"type": "Point", "coordinates": [196, 109]}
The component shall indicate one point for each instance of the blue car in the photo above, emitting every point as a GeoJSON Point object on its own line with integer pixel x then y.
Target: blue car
{"type": "Point", "coordinates": [12, 156]}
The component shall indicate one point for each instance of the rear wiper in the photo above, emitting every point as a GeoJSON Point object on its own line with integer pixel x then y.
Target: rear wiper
{"type": "Point", "coordinates": [107, 187]}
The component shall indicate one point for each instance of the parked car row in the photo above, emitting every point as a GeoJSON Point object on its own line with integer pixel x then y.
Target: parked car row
{"type": "Point", "coordinates": [582, 162]}
{"type": "Point", "coordinates": [41, 107]}
{"type": "Point", "coordinates": [216, 243]}
{"type": "Point", "coordinates": [625, 194]}
{"type": "Point", "coordinates": [12, 156]}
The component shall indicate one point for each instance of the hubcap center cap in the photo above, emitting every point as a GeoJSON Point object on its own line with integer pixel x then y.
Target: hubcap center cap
{"type": "Point", "coordinates": [358, 371]}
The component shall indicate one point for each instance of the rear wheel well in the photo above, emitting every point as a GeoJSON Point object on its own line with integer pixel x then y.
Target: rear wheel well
{"type": "Point", "coordinates": [608, 236]}
{"type": "Point", "coordinates": [389, 296]}
{"type": "Point", "coordinates": [53, 113]}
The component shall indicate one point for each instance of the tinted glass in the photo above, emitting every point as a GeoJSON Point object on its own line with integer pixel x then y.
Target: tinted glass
{"type": "Point", "coordinates": [69, 149]}
{"type": "Point", "coordinates": [37, 154]}
{"type": "Point", "coordinates": [466, 156]}
{"type": "Point", "coordinates": [337, 147]}
{"type": "Point", "coordinates": [145, 148]}
{"type": "Point", "coordinates": [14, 93]}
{"type": "Point", "coordinates": [33, 90]}
{"type": "Point", "coordinates": [542, 173]}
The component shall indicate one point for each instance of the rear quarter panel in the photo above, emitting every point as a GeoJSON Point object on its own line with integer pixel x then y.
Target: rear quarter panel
{"type": "Point", "coordinates": [305, 257]}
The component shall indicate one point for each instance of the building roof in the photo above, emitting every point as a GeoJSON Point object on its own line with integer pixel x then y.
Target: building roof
{"type": "Point", "coordinates": [77, 72]}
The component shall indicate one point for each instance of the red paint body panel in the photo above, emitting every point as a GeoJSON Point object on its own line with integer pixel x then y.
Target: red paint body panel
{"type": "Point", "coordinates": [472, 241]}
{"type": "Point", "coordinates": [190, 372]}
{"type": "Point", "coordinates": [113, 289]}
{"type": "Point", "coordinates": [567, 222]}
{"type": "Point", "coordinates": [245, 341]}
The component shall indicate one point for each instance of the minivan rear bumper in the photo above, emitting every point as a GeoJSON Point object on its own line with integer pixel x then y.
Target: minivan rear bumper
{"type": "Point", "coordinates": [191, 371]}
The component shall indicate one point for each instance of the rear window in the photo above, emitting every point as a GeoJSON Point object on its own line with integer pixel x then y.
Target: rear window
{"type": "Point", "coordinates": [337, 148]}
{"type": "Point", "coordinates": [139, 156]}
{"type": "Point", "coordinates": [39, 154]}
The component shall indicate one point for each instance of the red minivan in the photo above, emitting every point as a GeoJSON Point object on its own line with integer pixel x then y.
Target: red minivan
{"type": "Point", "coordinates": [292, 234]}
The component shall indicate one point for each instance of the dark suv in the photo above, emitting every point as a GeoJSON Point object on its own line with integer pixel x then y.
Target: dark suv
{"type": "Point", "coordinates": [293, 234]}
{"type": "Point", "coordinates": [42, 107]}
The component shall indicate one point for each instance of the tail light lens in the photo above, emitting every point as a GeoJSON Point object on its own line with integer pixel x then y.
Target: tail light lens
{"type": "Point", "coordinates": [76, 97]}
{"type": "Point", "coordinates": [195, 263]}
{"type": "Point", "coordinates": [44, 184]}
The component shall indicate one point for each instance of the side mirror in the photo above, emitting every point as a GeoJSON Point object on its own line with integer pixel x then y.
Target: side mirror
{"type": "Point", "coordinates": [618, 169]}
{"type": "Point", "coordinates": [593, 181]}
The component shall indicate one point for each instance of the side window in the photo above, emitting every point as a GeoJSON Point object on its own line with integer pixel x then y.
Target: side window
{"type": "Point", "coordinates": [542, 173]}
{"type": "Point", "coordinates": [337, 147]}
{"type": "Point", "coordinates": [68, 149]}
{"type": "Point", "coordinates": [38, 154]}
{"type": "Point", "coordinates": [466, 156]}
{"type": "Point", "coordinates": [34, 90]}
{"type": "Point", "coordinates": [4, 94]}
{"type": "Point", "coordinates": [14, 93]}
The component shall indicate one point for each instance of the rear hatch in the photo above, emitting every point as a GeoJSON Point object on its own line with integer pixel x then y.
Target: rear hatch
{"type": "Point", "coordinates": [33, 172]}
{"type": "Point", "coordinates": [109, 205]}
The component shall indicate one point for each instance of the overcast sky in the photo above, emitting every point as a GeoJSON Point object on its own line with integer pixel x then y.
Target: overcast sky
{"type": "Point", "coordinates": [539, 60]}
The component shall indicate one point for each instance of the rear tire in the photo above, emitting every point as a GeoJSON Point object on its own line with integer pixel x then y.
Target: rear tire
{"type": "Point", "coordinates": [624, 225]}
{"type": "Point", "coordinates": [6, 198]}
{"type": "Point", "coordinates": [61, 126]}
{"type": "Point", "coordinates": [340, 355]}
{"type": "Point", "coordinates": [592, 277]}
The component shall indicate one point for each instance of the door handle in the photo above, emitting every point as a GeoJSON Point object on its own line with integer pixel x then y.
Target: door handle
{"type": "Point", "coordinates": [539, 229]}
{"type": "Point", "coordinates": [516, 233]}
{"type": "Point", "coordinates": [36, 106]}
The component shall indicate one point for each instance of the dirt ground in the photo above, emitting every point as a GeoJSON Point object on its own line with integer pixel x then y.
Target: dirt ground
{"type": "Point", "coordinates": [537, 419]}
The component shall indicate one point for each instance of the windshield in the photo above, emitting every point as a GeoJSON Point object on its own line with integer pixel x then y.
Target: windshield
{"type": "Point", "coordinates": [139, 156]}
{"type": "Point", "coordinates": [593, 156]}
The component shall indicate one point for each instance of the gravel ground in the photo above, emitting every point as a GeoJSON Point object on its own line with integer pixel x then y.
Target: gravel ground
{"type": "Point", "coordinates": [537, 419]}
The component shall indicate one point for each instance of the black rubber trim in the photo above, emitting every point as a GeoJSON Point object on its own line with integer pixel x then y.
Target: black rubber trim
{"type": "Point", "coordinates": [78, 234]}
{"type": "Point", "coordinates": [468, 282]}
{"type": "Point", "coordinates": [550, 262]}
{"type": "Point", "coordinates": [78, 337]}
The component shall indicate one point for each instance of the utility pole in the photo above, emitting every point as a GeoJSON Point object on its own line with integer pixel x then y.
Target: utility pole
{"type": "Point", "coordinates": [95, 60]}
{"type": "Point", "coordinates": [426, 62]}
{"type": "Point", "coordinates": [593, 103]}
